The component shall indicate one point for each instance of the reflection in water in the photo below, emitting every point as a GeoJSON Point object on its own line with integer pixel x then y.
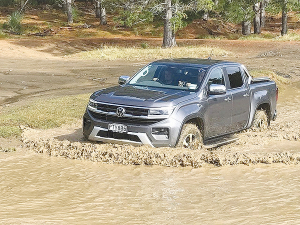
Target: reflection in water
{"type": "Point", "coordinates": [38, 189]}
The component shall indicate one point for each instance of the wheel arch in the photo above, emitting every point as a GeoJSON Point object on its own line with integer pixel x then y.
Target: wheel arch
{"type": "Point", "coordinates": [266, 107]}
{"type": "Point", "coordinates": [262, 106]}
{"type": "Point", "coordinates": [195, 120]}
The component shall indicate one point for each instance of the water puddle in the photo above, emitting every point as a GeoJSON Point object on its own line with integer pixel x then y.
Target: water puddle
{"type": "Point", "coordinates": [38, 189]}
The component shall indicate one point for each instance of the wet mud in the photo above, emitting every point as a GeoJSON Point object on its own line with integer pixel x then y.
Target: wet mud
{"type": "Point", "coordinates": [125, 154]}
{"type": "Point", "coordinates": [240, 152]}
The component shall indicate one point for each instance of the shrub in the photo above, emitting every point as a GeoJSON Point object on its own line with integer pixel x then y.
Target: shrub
{"type": "Point", "coordinates": [14, 23]}
{"type": "Point", "coordinates": [144, 45]}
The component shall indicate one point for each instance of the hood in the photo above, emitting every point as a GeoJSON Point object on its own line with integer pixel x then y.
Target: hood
{"type": "Point", "coordinates": [142, 96]}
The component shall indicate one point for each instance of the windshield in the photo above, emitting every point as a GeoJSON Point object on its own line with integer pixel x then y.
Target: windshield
{"type": "Point", "coordinates": [169, 76]}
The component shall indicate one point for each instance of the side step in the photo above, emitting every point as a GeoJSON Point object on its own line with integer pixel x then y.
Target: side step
{"type": "Point", "coordinates": [218, 141]}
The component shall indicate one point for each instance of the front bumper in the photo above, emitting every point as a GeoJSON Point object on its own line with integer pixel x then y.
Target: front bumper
{"type": "Point", "coordinates": [97, 130]}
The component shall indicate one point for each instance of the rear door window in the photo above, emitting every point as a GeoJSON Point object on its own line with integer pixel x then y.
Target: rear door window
{"type": "Point", "coordinates": [235, 77]}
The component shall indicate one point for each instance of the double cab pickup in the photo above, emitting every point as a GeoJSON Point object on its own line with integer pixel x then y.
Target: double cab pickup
{"type": "Point", "coordinates": [180, 103]}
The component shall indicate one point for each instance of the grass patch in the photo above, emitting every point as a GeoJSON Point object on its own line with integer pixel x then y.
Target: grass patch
{"type": "Point", "coordinates": [132, 54]}
{"type": "Point", "coordinates": [9, 131]}
{"type": "Point", "coordinates": [258, 37]}
{"type": "Point", "coordinates": [43, 114]}
{"type": "Point", "coordinates": [3, 35]}
{"type": "Point", "coordinates": [270, 36]}
{"type": "Point", "coordinates": [289, 37]}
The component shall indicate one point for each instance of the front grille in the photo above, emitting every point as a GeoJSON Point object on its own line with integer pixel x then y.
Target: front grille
{"type": "Point", "coordinates": [125, 120]}
{"type": "Point", "coordinates": [119, 136]}
{"type": "Point", "coordinates": [129, 110]}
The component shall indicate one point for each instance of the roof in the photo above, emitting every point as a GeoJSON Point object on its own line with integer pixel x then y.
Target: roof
{"type": "Point", "coordinates": [194, 62]}
{"type": "Point", "coordinates": [191, 61]}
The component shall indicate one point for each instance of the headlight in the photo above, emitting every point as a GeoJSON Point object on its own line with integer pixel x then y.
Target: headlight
{"type": "Point", "coordinates": [161, 111]}
{"type": "Point", "coordinates": [93, 104]}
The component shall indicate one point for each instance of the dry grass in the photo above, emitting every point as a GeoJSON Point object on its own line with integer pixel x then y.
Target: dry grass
{"type": "Point", "coordinates": [272, 37]}
{"type": "Point", "coordinates": [281, 81]}
{"type": "Point", "coordinates": [289, 37]}
{"type": "Point", "coordinates": [43, 114]}
{"type": "Point", "coordinates": [131, 54]}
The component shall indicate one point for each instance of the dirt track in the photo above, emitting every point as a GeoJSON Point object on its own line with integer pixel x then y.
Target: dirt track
{"type": "Point", "coordinates": [38, 70]}
{"type": "Point", "coordinates": [32, 69]}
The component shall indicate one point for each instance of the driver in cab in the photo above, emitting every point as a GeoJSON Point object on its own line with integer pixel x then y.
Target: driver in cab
{"type": "Point", "coordinates": [167, 77]}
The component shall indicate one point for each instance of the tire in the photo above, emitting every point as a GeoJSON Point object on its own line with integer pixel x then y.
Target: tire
{"type": "Point", "coordinates": [261, 120]}
{"type": "Point", "coordinates": [190, 137]}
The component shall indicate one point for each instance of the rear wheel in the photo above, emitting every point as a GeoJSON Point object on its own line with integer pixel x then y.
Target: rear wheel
{"type": "Point", "coordinates": [261, 120]}
{"type": "Point", "coordinates": [190, 137]}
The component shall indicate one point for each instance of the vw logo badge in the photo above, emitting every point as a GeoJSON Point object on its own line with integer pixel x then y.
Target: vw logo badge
{"type": "Point", "coordinates": [120, 112]}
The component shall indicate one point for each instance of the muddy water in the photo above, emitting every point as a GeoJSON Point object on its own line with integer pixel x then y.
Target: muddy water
{"type": "Point", "coordinates": [38, 189]}
{"type": "Point", "coordinates": [41, 189]}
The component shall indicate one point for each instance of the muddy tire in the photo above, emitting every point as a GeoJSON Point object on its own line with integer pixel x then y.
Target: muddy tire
{"type": "Point", "coordinates": [190, 137]}
{"type": "Point", "coordinates": [261, 120]}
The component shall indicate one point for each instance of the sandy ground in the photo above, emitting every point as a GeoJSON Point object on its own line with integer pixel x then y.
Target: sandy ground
{"type": "Point", "coordinates": [31, 70]}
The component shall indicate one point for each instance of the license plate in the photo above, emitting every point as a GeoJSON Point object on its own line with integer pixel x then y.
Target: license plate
{"type": "Point", "coordinates": [120, 128]}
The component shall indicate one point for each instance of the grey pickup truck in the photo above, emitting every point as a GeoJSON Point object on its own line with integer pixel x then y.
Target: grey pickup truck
{"type": "Point", "coordinates": [180, 103]}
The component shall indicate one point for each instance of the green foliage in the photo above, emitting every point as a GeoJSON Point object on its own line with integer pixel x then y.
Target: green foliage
{"type": "Point", "coordinates": [203, 5]}
{"type": "Point", "coordinates": [177, 20]}
{"type": "Point", "coordinates": [76, 14]}
{"type": "Point", "coordinates": [6, 3]}
{"type": "Point", "coordinates": [14, 23]}
{"type": "Point", "coordinates": [276, 6]}
{"type": "Point", "coordinates": [144, 45]}
{"type": "Point", "coordinates": [236, 11]}
{"type": "Point", "coordinates": [131, 18]}
{"type": "Point", "coordinates": [3, 35]}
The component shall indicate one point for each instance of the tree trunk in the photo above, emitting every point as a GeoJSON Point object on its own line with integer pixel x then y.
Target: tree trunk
{"type": "Point", "coordinates": [98, 12]}
{"type": "Point", "coordinates": [22, 3]}
{"type": "Point", "coordinates": [69, 11]}
{"type": "Point", "coordinates": [246, 27]}
{"type": "Point", "coordinates": [256, 19]}
{"type": "Point", "coordinates": [205, 16]}
{"type": "Point", "coordinates": [284, 20]}
{"type": "Point", "coordinates": [102, 14]}
{"type": "Point", "coordinates": [169, 35]}
{"type": "Point", "coordinates": [263, 13]}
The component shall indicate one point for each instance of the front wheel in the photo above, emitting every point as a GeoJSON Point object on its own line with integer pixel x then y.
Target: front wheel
{"type": "Point", "coordinates": [261, 120]}
{"type": "Point", "coordinates": [190, 137]}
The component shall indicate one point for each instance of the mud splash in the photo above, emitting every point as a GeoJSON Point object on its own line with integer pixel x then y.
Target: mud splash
{"type": "Point", "coordinates": [170, 157]}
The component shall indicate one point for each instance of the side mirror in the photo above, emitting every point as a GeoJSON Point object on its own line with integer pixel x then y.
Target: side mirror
{"type": "Point", "coordinates": [217, 89]}
{"type": "Point", "coordinates": [123, 80]}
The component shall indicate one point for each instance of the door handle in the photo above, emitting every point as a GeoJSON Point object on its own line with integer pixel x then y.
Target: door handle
{"type": "Point", "coordinates": [227, 99]}
{"type": "Point", "coordinates": [246, 95]}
